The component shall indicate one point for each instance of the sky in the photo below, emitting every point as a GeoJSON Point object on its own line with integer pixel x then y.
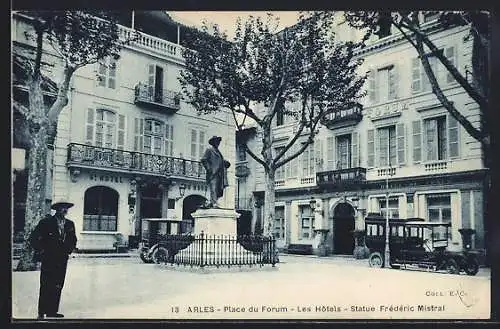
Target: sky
{"type": "Point", "coordinates": [227, 19]}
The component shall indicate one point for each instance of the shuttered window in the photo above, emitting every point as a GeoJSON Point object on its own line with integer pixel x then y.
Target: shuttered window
{"type": "Point", "coordinates": [344, 151]}
{"type": "Point", "coordinates": [106, 73]}
{"type": "Point", "coordinates": [197, 143]}
{"type": "Point", "coordinates": [387, 155]}
{"type": "Point", "coordinates": [104, 128]}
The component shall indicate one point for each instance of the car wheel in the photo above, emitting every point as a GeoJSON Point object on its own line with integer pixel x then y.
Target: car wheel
{"type": "Point", "coordinates": [452, 266]}
{"type": "Point", "coordinates": [472, 266]}
{"type": "Point", "coordinates": [160, 255]}
{"type": "Point", "coordinates": [145, 258]}
{"type": "Point", "coordinates": [376, 260]}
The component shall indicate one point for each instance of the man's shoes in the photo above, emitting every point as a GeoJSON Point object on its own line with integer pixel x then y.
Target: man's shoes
{"type": "Point", "coordinates": [56, 315]}
{"type": "Point", "coordinates": [41, 316]}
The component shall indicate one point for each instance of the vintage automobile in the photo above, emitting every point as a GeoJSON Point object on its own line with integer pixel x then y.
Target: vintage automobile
{"type": "Point", "coordinates": [415, 242]}
{"type": "Point", "coordinates": [153, 229]}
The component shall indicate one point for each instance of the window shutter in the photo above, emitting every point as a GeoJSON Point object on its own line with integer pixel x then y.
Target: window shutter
{"type": "Point", "coordinates": [453, 137]}
{"type": "Point", "coordinates": [393, 82]}
{"type": "Point", "coordinates": [371, 148]}
{"type": "Point", "coordinates": [355, 150]}
{"type": "Point", "coordinates": [120, 143]}
{"type": "Point", "coordinates": [372, 86]}
{"type": "Point", "coordinates": [194, 148]}
{"type": "Point", "coordinates": [330, 152]}
{"type": "Point", "coordinates": [139, 133]}
{"type": "Point", "coordinates": [417, 141]}
{"type": "Point", "coordinates": [451, 56]}
{"type": "Point", "coordinates": [201, 144]}
{"type": "Point", "coordinates": [169, 134]}
{"type": "Point", "coordinates": [89, 127]}
{"type": "Point", "coordinates": [318, 145]}
{"type": "Point", "coordinates": [416, 83]}
{"type": "Point", "coordinates": [151, 81]}
{"type": "Point", "coordinates": [400, 135]}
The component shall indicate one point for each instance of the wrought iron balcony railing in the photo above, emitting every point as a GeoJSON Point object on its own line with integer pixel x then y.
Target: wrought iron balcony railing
{"type": "Point", "coordinates": [160, 99]}
{"type": "Point", "coordinates": [88, 156]}
{"type": "Point", "coordinates": [343, 117]}
{"type": "Point", "coordinates": [341, 177]}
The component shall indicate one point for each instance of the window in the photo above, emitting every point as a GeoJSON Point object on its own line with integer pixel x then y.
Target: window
{"type": "Point", "coordinates": [387, 146]}
{"type": "Point", "coordinates": [155, 83]}
{"type": "Point", "coordinates": [103, 130]}
{"type": "Point", "coordinates": [344, 152]}
{"type": "Point", "coordinates": [439, 210]}
{"type": "Point", "coordinates": [438, 141]}
{"type": "Point", "coordinates": [289, 170]}
{"type": "Point", "coordinates": [197, 143]}
{"type": "Point", "coordinates": [435, 138]}
{"type": "Point", "coordinates": [306, 222]}
{"type": "Point", "coordinates": [393, 207]}
{"type": "Point", "coordinates": [106, 73]}
{"type": "Point", "coordinates": [279, 223]}
{"type": "Point", "coordinates": [153, 137]}
{"type": "Point", "coordinates": [308, 161]}
{"type": "Point", "coordinates": [382, 84]}
{"type": "Point", "coordinates": [100, 210]}
{"type": "Point", "coordinates": [420, 81]}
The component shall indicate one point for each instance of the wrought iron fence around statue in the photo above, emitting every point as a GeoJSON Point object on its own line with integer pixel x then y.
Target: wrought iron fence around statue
{"type": "Point", "coordinates": [218, 250]}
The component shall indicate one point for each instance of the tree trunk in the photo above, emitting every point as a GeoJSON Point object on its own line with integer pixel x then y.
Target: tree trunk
{"type": "Point", "coordinates": [37, 172]}
{"type": "Point", "coordinates": [269, 199]}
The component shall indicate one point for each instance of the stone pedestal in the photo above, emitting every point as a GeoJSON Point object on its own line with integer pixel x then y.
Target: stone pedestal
{"type": "Point", "coordinates": [215, 231]}
{"type": "Point", "coordinates": [215, 221]}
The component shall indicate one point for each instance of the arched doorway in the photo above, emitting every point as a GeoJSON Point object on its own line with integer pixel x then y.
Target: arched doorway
{"type": "Point", "coordinates": [190, 204]}
{"type": "Point", "coordinates": [343, 217]}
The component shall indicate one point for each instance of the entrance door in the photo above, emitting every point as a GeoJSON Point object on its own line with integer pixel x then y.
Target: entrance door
{"type": "Point", "coordinates": [343, 227]}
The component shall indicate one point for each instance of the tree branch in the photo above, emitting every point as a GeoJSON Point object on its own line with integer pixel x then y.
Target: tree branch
{"type": "Point", "coordinates": [62, 95]}
{"type": "Point", "coordinates": [256, 158]}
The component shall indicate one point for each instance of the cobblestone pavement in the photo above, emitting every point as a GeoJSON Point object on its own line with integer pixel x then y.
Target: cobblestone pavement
{"type": "Point", "coordinates": [300, 287]}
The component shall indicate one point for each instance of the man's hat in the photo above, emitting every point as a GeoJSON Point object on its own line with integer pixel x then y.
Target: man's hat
{"type": "Point", "coordinates": [61, 204]}
{"type": "Point", "coordinates": [213, 139]}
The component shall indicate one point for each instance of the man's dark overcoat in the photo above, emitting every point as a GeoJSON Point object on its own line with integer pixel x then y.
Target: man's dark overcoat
{"type": "Point", "coordinates": [54, 249]}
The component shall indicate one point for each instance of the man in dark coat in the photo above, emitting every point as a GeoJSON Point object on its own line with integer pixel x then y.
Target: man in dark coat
{"type": "Point", "coordinates": [53, 239]}
{"type": "Point", "coordinates": [216, 168]}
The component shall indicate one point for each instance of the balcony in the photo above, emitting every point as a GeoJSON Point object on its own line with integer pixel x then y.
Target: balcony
{"type": "Point", "coordinates": [341, 177]}
{"type": "Point", "coordinates": [157, 99]}
{"type": "Point", "coordinates": [93, 157]}
{"type": "Point", "coordinates": [343, 117]}
{"type": "Point", "coordinates": [150, 43]}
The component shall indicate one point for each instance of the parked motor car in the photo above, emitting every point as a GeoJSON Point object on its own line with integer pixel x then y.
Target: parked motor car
{"type": "Point", "coordinates": [415, 242]}
{"type": "Point", "coordinates": [153, 229]}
